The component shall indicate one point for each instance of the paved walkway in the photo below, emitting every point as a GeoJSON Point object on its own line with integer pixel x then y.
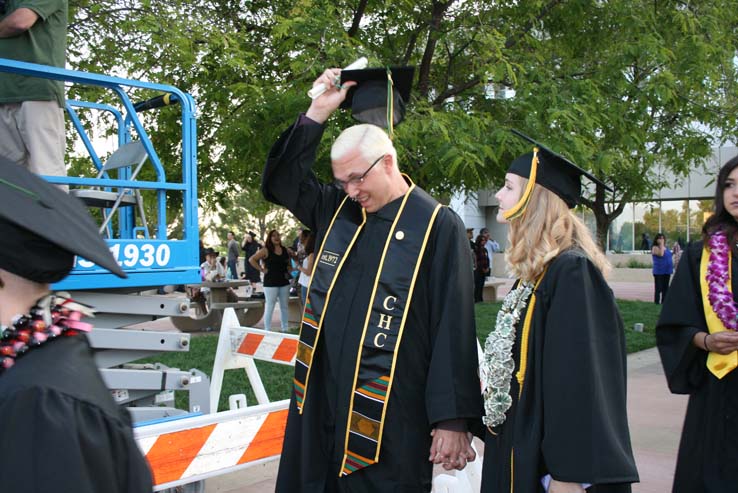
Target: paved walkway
{"type": "Point", "coordinates": [638, 291]}
{"type": "Point", "coordinates": [655, 418]}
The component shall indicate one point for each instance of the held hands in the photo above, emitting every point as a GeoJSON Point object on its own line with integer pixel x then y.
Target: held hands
{"type": "Point", "coordinates": [324, 105]}
{"type": "Point", "coordinates": [451, 448]}
{"type": "Point", "coordinates": [722, 342]}
{"type": "Point", "coordinates": [559, 487]}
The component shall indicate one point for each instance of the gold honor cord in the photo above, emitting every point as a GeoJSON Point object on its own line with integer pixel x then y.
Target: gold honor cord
{"type": "Point", "coordinates": [519, 209]}
{"type": "Point", "coordinates": [524, 362]}
{"type": "Point", "coordinates": [330, 289]}
{"type": "Point", "coordinates": [512, 470]}
{"type": "Point", "coordinates": [525, 336]}
{"type": "Point", "coordinates": [718, 364]}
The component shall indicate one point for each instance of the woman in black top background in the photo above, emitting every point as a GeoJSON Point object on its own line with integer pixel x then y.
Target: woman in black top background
{"type": "Point", "coordinates": [274, 261]}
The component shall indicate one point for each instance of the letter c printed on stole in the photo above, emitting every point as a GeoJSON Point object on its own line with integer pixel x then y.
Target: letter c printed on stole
{"type": "Point", "coordinates": [376, 339]}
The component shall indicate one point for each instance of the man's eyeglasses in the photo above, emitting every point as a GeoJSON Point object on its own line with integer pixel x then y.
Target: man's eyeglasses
{"type": "Point", "coordinates": [357, 180]}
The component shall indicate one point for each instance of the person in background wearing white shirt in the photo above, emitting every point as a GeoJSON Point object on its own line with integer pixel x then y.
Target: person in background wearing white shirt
{"type": "Point", "coordinates": [306, 266]}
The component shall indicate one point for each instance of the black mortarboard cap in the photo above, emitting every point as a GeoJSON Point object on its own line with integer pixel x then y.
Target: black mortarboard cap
{"type": "Point", "coordinates": [42, 228]}
{"type": "Point", "coordinates": [554, 172]}
{"type": "Point", "coordinates": [368, 100]}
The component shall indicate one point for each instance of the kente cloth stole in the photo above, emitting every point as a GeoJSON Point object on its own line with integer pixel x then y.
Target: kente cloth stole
{"type": "Point", "coordinates": [383, 325]}
{"type": "Point", "coordinates": [718, 364]}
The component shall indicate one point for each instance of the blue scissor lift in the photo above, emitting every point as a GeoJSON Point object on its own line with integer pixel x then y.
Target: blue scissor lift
{"type": "Point", "coordinates": [148, 254]}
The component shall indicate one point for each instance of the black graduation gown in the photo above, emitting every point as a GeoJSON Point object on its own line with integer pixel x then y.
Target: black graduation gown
{"type": "Point", "coordinates": [61, 430]}
{"type": "Point", "coordinates": [436, 375]}
{"type": "Point", "coordinates": [709, 445]}
{"type": "Point", "coordinates": [571, 420]}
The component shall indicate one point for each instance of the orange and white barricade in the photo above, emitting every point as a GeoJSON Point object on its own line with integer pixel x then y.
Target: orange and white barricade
{"type": "Point", "coordinates": [238, 347]}
{"type": "Point", "coordinates": [192, 449]}
{"type": "Point", "coordinates": [196, 448]}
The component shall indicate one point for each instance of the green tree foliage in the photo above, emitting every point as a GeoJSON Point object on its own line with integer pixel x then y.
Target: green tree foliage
{"type": "Point", "coordinates": [617, 86]}
{"type": "Point", "coordinates": [247, 211]}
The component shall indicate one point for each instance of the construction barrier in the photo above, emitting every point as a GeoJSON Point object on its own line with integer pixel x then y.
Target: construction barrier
{"type": "Point", "coordinates": [193, 449]}
{"type": "Point", "coordinates": [238, 347]}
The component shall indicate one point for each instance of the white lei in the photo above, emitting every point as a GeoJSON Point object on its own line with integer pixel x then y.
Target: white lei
{"type": "Point", "coordinates": [497, 365]}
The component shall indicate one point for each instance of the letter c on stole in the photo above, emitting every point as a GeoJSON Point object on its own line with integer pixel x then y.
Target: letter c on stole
{"type": "Point", "coordinates": [376, 339]}
{"type": "Point", "coordinates": [385, 304]}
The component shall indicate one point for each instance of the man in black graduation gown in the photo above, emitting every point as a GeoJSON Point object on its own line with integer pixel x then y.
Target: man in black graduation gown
{"type": "Point", "coordinates": [709, 445]}
{"type": "Point", "coordinates": [435, 385]}
{"type": "Point", "coordinates": [61, 430]}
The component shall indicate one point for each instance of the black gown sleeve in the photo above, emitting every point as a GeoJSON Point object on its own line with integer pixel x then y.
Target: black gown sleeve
{"type": "Point", "coordinates": [85, 450]}
{"type": "Point", "coordinates": [288, 179]}
{"type": "Point", "coordinates": [682, 316]}
{"type": "Point", "coordinates": [453, 388]}
{"type": "Point", "coordinates": [585, 427]}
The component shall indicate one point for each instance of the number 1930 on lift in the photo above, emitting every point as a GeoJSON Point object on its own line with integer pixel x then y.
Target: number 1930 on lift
{"type": "Point", "coordinates": [148, 262]}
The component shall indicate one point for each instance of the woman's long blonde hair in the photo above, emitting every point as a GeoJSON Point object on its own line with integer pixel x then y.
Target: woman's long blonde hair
{"type": "Point", "coordinates": [547, 228]}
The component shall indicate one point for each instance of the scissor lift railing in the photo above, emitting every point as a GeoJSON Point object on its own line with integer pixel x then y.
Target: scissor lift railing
{"type": "Point", "coordinates": [154, 261]}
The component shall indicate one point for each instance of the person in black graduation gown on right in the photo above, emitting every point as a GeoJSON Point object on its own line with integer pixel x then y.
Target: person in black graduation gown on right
{"type": "Point", "coordinates": [554, 369]}
{"type": "Point", "coordinates": [61, 430]}
{"type": "Point", "coordinates": [698, 343]}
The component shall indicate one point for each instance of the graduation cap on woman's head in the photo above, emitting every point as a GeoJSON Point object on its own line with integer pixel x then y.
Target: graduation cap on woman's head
{"type": "Point", "coordinates": [550, 170]}
{"type": "Point", "coordinates": [380, 94]}
{"type": "Point", "coordinates": [42, 228]}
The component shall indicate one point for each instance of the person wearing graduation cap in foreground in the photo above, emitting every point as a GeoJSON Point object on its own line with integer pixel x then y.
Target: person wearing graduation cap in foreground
{"type": "Point", "coordinates": [553, 371]}
{"type": "Point", "coordinates": [697, 336]}
{"type": "Point", "coordinates": [386, 373]}
{"type": "Point", "coordinates": [62, 430]}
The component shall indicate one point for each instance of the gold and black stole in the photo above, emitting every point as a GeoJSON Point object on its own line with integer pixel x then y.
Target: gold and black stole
{"type": "Point", "coordinates": [384, 322]}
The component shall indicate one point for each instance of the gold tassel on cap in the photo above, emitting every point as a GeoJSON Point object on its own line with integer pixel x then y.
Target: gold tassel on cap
{"type": "Point", "coordinates": [519, 209]}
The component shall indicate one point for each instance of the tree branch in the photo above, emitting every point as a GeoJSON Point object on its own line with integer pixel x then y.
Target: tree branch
{"type": "Point", "coordinates": [509, 43]}
{"type": "Point", "coordinates": [358, 14]}
{"type": "Point", "coordinates": [437, 13]}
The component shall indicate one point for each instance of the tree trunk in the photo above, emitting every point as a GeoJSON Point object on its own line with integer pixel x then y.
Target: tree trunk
{"type": "Point", "coordinates": [438, 12]}
{"type": "Point", "coordinates": [603, 225]}
{"type": "Point", "coordinates": [358, 14]}
{"type": "Point", "coordinates": [603, 219]}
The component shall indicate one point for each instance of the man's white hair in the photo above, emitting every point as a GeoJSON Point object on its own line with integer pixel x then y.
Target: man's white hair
{"type": "Point", "coordinates": [370, 140]}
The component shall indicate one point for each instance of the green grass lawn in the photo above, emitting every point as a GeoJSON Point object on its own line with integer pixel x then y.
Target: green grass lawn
{"type": "Point", "coordinates": [278, 378]}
